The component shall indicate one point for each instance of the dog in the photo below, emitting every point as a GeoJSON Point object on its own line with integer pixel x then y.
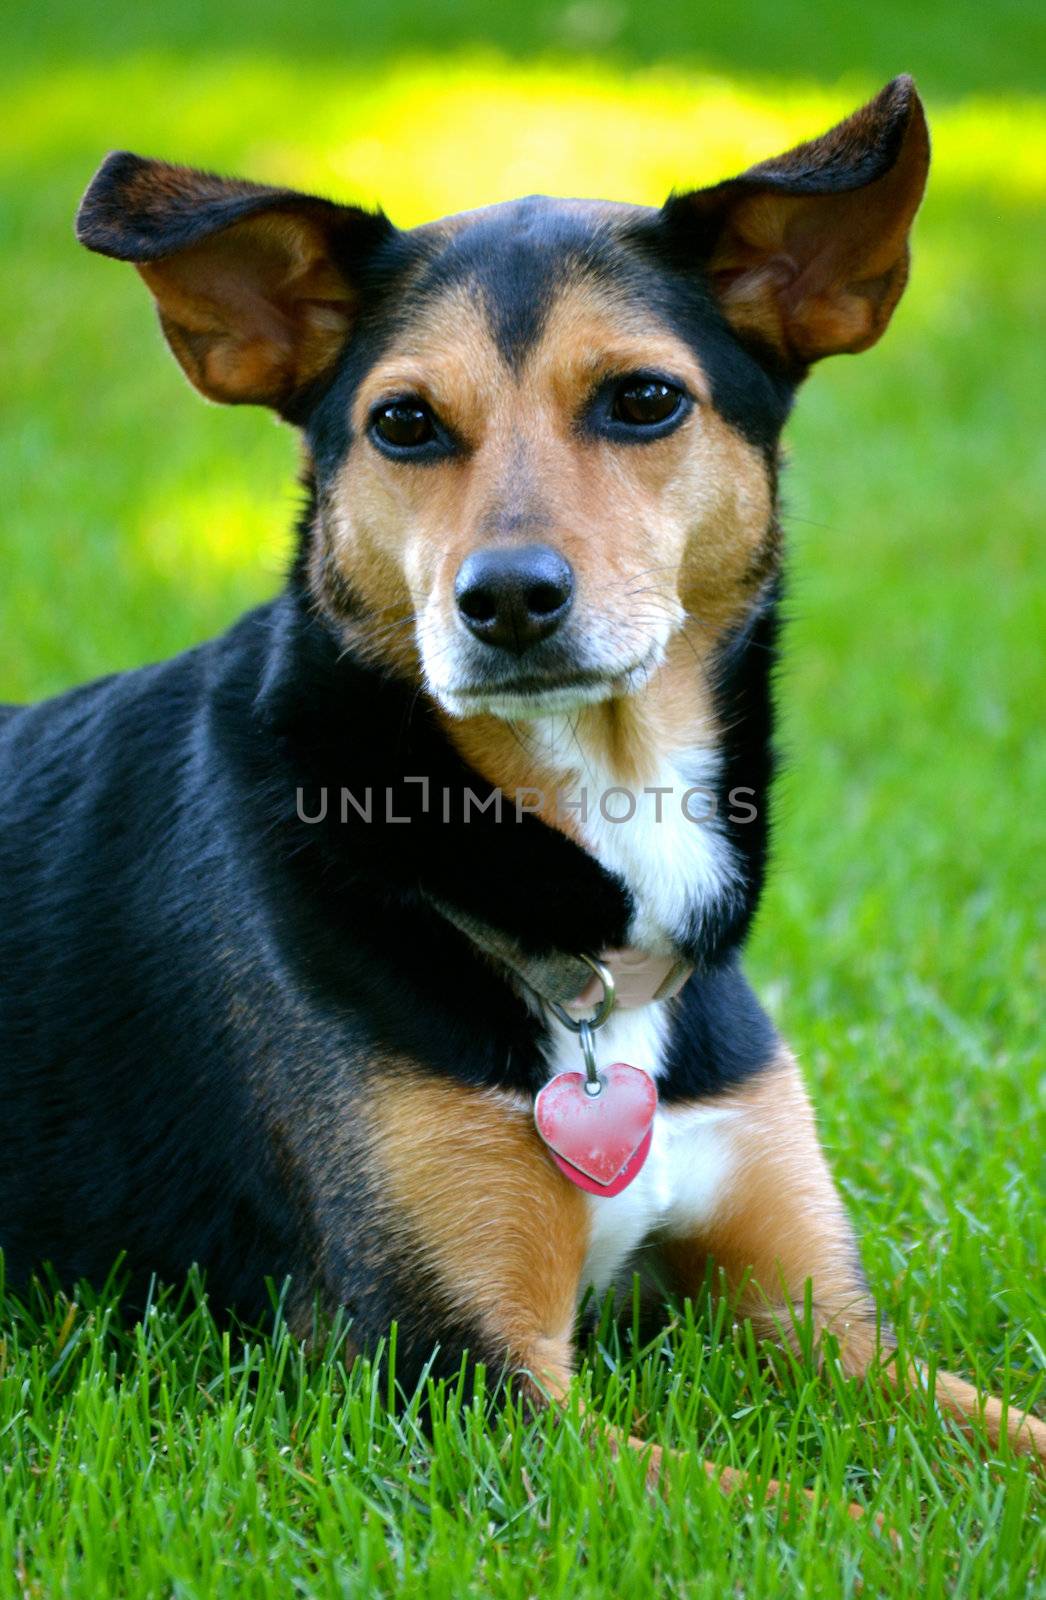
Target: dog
{"type": "Point", "coordinates": [389, 944]}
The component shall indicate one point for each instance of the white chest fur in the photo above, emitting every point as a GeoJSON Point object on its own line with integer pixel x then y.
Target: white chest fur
{"type": "Point", "coordinates": [684, 1176]}
{"type": "Point", "coordinates": [659, 835]}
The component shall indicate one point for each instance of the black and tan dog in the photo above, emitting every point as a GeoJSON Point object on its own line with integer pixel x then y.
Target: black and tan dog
{"type": "Point", "coordinates": [289, 924]}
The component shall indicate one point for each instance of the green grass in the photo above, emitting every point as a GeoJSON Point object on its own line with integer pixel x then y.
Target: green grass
{"type": "Point", "coordinates": [169, 1459]}
{"type": "Point", "coordinates": [898, 943]}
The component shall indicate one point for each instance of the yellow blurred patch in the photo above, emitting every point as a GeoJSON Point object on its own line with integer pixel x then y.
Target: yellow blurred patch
{"type": "Point", "coordinates": [189, 537]}
{"type": "Point", "coordinates": [433, 135]}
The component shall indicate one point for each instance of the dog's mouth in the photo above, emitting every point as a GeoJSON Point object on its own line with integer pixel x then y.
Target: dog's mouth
{"type": "Point", "coordinates": [534, 694]}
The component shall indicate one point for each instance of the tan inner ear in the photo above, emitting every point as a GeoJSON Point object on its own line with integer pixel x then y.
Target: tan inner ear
{"type": "Point", "coordinates": [818, 275]}
{"type": "Point", "coordinates": [255, 312]}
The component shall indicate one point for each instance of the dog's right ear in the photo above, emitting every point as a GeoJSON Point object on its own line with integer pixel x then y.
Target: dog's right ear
{"type": "Point", "coordinates": [256, 287]}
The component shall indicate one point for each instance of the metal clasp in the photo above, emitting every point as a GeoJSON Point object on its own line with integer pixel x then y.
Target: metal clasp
{"type": "Point", "coordinates": [585, 1027]}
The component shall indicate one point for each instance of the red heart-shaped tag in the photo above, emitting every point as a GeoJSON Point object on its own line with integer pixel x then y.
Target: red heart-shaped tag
{"type": "Point", "coordinates": [599, 1141]}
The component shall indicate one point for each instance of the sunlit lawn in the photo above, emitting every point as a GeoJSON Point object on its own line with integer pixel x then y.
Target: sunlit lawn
{"type": "Point", "coordinates": [897, 943]}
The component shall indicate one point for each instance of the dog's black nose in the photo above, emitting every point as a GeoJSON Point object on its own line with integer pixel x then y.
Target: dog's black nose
{"type": "Point", "coordinates": [514, 597]}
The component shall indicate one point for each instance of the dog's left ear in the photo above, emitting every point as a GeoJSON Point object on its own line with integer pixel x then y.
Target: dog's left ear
{"type": "Point", "coordinates": [256, 287]}
{"type": "Point", "coordinates": [808, 253]}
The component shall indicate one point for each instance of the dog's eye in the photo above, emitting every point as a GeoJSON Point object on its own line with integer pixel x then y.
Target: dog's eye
{"type": "Point", "coordinates": [405, 424]}
{"type": "Point", "coordinates": [645, 403]}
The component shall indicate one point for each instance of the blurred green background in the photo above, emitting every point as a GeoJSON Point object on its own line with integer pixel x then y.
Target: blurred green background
{"type": "Point", "coordinates": [900, 942]}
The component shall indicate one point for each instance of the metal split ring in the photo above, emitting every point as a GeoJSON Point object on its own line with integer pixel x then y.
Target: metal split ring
{"type": "Point", "coordinates": [603, 1009]}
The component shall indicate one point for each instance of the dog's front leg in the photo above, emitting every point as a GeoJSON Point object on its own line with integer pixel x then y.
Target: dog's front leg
{"type": "Point", "coordinates": [781, 1225]}
{"type": "Point", "coordinates": [474, 1205]}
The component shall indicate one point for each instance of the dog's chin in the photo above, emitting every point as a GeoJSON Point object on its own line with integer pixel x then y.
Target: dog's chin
{"type": "Point", "coordinates": [522, 705]}
{"type": "Point", "coordinates": [531, 700]}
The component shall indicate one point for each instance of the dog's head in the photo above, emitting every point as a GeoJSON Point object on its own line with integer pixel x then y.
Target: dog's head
{"type": "Point", "coordinates": [543, 435]}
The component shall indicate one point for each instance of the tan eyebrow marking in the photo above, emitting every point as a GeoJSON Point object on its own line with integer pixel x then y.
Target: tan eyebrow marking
{"type": "Point", "coordinates": [451, 360]}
